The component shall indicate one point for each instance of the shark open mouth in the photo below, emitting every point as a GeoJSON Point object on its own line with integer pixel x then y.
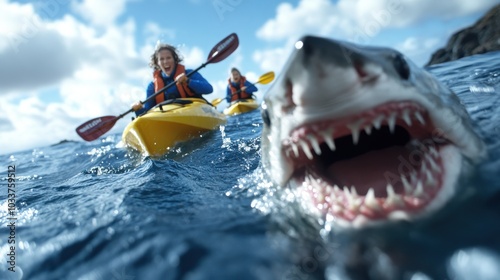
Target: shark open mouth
{"type": "Point", "coordinates": [375, 164]}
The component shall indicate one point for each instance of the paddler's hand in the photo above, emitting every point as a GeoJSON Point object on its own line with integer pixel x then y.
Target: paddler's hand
{"type": "Point", "coordinates": [137, 106]}
{"type": "Point", "coordinates": [181, 79]}
{"type": "Point", "coordinates": [243, 88]}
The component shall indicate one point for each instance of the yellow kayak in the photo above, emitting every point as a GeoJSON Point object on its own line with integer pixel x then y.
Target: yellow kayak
{"type": "Point", "coordinates": [241, 106]}
{"type": "Point", "coordinates": [155, 132]}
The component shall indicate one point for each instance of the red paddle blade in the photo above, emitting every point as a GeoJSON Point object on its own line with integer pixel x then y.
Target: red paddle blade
{"type": "Point", "coordinates": [224, 48]}
{"type": "Point", "coordinates": [95, 128]}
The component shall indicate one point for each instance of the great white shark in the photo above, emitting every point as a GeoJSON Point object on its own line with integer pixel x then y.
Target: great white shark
{"type": "Point", "coordinates": [363, 135]}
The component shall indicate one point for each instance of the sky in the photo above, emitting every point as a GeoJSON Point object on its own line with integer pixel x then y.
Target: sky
{"type": "Point", "coordinates": [64, 62]}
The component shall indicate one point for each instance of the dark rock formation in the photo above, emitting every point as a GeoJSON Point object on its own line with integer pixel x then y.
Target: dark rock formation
{"type": "Point", "coordinates": [482, 37]}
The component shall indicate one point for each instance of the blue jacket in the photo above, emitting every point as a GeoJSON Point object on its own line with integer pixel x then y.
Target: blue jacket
{"type": "Point", "coordinates": [250, 89]}
{"type": "Point", "coordinates": [196, 82]}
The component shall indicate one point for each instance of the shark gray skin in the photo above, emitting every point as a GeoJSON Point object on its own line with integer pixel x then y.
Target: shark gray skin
{"type": "Point", "coordinates": [364, 136]}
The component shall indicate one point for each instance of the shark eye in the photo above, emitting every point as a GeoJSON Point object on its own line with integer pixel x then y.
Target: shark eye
{"type": "Point", "coordinates": [401, 66]}
{"type": "Point", "coordinates": [265, 114]}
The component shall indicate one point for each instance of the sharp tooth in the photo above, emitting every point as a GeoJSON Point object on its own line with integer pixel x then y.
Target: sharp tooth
{"type": "Point", "coordinates": [328, 137]}
{"type": "Point", "coordinates": [308, 179]}
{"type": "Point", "coordinates": [329, 189]}
{"type": "Point", "coordinates": [423, 166]}
{"type": "Point", "coordinates": [419, 117]}
{"type": "Point", "coordinates": [355, 136]}
{"type": "Point", "coordinates": [406, 116]}
{"type": "Point", "coordinates": [335, 195]}
{"type": "Point", "coordinates": [315, 144]}
{"type": "Point", "coordinates": [329, 141]}
{"type": "Point", "coordinates": [391, 121]}
{"type": "Point", "coordinates": [295, 150]}
{"type": "Point", "coordinates": [354, 127]}
{"type": "Point", "coordinates": [393, 199]}
{"type": "Point", "coordinates": [407, 186]}
{"type": "Point", "coordinates": [432, 163]}
{"type": "Point", "coordinates": [368, 129]}
{"type": "Point", "coordinates": [353, 192]}
{"type": "Point", "coordinates": [347, 194]}
{"type": "Point", "coordinates": [315, 185]}
{"type": "Point", "coordinates": [413, 176]}
{"type": "Point", "coordinates": [390, 191]}
{"type": "Point", "coordinates": [419, 190]}
{"type": "Point", "coordinates": [370, 196]}
{"type": "Point", "coordinates": [377, 122]}
{"type": "Point", "coordinates": [430, 179]}
{"type": "Point", "coordinates": [336, 189]}
{"type": "Point", "coordinates": [370, 200]}
{"type": "Point", "coordinates": [433, 151]}
{"type": "Point", "coordinates": [306, 150]}
{"type": "Point", "coordinates": [428, 174]}
{"type": "Point", "coordinates": [333, 198]}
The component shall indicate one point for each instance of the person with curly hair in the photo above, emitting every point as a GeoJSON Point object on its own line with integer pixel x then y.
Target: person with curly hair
{"type": "Point", "coordinates": [167, 66]}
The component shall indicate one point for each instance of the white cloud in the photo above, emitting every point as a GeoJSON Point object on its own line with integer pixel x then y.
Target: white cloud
{"type": "Point", "coordinates": [358, 21]}
{"type": "Point", "coordinates": [35, 124]}
{"type": "Point", "coordinates": [416, 11]}
{"type": "Point", "coordinates": [418, 48]}
{"type": "Point", "coordinates": [193, 57]}
{"type": "Point", "coordinates": [397, 13]}
{"type": "Point", "coordinates": [100, 13]}
{"type": "Point", "coordinates": [29, 67]}
{"type": "Point", "coordinates": [20, 14]}
{"type": "Point", "coordinates": [26, 48]}
{"type": "Point", "coordinates": [272, 59]}
{"type": "Point", "coordinates": [153, 32]}
{"type": "Point", "coordinates": [348, 18]}
{"type": "Point", "coordinates": [94, 73]}
{"type": "Point", "coordinates": [312, 16]}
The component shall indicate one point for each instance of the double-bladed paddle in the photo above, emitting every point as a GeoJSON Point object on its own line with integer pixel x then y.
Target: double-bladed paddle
{"type": "Point", "coordinates": [95, 128]}
{"type": "Point", "coordinates": [263, 79]}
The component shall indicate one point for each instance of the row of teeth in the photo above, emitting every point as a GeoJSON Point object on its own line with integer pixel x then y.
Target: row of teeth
{"type": "Point", "coordinates": [350, 200]}
{"type": "Point", "coordinates": [355, 127]}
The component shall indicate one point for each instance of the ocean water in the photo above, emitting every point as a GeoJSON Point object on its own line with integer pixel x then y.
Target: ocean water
{"type": "Point", "coordinates": [207, 211]}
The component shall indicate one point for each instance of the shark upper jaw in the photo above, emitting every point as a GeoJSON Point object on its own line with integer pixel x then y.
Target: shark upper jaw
{"type": "Point", "coordinates": [380, 164]}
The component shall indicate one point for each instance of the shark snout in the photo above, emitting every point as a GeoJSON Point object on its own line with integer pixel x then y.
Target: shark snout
{"type": "Point", "coordinates": [323, 74]}
{"type": "Point", "coordinates": [330, 51]}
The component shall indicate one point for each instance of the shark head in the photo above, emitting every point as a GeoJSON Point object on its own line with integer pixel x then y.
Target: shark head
{"type": "Point", "coordinates": [363, 135]}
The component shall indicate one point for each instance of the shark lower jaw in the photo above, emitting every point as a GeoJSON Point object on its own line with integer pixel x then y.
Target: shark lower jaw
{"type": "Point", "coordinates": [383, 164]}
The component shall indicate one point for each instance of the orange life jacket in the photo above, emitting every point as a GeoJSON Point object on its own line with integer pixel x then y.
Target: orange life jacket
{"type": "Point", "coordinates": [240, 95]}
{"type": "Point", "coordinates": [183, 89]}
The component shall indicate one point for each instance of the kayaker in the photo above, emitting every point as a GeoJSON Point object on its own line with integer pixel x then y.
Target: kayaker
{"type": "Point", "coordinates": [167, 67]}
{"type": "Point", "coordinates": [238, 87]}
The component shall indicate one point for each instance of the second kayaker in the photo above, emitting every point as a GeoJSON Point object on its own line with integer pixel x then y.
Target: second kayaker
{"type": "Point", "coordinates": [238, 87]}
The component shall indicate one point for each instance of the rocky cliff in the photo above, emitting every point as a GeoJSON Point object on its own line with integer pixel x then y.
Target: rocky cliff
{"type": "Point", "coordinates": [482, 37]}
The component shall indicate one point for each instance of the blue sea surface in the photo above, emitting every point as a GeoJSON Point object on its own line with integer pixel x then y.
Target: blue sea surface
{"type": "Point", "coordinates": [206, 210]}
